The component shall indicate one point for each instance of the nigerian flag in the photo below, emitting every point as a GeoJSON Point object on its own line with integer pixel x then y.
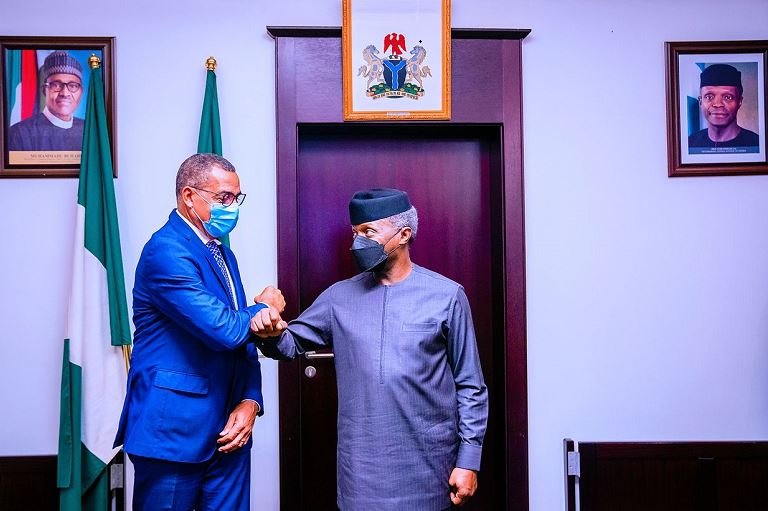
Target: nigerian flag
{"type": "Point", "coordinates": [21, 84]}
{"type": "Point", "coordinates": [94, 370]}
{"type": "Point", "coordinates": [209, 139]}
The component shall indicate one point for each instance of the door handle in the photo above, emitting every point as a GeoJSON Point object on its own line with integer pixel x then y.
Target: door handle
{"type": "Point", "coordinates": [309, 355]}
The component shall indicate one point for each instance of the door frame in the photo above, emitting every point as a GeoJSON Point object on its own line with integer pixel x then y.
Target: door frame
{"type": "Point", "coordinates": [486, 75]}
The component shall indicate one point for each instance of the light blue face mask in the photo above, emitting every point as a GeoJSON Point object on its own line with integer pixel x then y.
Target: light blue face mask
{"type": "Point", "coordinates": [223, 218]}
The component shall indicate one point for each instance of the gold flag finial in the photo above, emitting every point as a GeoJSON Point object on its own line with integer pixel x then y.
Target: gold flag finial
{"type": "Point", "coordinates": [94, 61]}
{"type": "Point", "coordinates": [210, 64]}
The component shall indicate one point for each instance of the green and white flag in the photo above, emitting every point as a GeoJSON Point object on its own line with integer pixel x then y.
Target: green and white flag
{"type": "Point", "coordinates": [94, 369]}
{"type": "Point", "coordinates": [209, 139]}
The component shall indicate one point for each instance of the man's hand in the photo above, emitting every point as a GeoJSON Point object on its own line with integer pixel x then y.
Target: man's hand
{"type": "Point", "coordinates": [239, 426]}
{"type": "Point", "coordinates": [272, 297]}
{"type": "Point", "coordinates": [463, 485]}
{"type": "Point", "coordinates": [267, 323]}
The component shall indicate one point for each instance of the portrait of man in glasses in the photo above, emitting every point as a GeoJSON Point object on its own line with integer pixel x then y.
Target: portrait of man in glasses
{"type": "Point", "coordinates": [55, 128]}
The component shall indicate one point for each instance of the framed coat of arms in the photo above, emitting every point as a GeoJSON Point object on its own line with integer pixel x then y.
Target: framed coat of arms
{"type": "Point", "coordinates": [396, 60]}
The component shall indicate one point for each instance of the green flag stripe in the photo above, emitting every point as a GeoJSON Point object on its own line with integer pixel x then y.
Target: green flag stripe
{"type": "Point", "coordinates": [84, 489]}
{"type": "Point", "coordinates": [13, 76]}
{"type": "Point", "coordinates": [67, 435]}
{"type": "Point", "coordinates": [209, 140]}
{"type": "Point", "coordinates": [96, 193]}
{"type": "Point", "coordinates": [94, 498]}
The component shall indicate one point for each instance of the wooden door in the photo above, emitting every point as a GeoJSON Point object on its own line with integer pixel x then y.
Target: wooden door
{"type": "Point", "coordinates": [447, 172]}
{"type": "Point", "coordinates": [465, 178]}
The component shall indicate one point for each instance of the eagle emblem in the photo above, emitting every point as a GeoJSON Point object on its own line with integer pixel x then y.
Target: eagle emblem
{"type": "Point", "coordinates": [394, 75]}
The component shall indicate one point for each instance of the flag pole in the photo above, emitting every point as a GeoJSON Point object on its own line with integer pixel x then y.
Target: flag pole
{"type": "Point", "coordinates": [210, 64]}
{"type": "Point", "coordinates": [127, 356]}
{"type": "Point", "coordinates": [95, 63]}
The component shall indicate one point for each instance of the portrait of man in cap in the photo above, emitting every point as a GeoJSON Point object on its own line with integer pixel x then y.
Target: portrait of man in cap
{"type": "Point", "coordinates": [721, 95]}
{"type": "Point", "coordinates": [55, 128]}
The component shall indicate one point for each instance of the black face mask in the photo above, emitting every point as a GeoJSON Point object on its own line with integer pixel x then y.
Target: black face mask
{"type": "Point", "coordinates": [369, 254]}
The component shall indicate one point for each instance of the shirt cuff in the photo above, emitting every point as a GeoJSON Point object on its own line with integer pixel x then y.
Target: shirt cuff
{"type": "Point", "coordinates": [253, 309]}
{"type": "Point", "coordinates": [469, 457]}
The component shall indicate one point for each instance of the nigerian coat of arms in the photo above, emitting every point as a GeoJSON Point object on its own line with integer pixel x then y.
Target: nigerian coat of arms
{"type": "Point", "coordinates": [395, 75]}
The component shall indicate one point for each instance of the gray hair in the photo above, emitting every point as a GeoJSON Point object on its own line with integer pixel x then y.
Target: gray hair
{"type": "Point", "coordinates": [194, 171]}
{"type": "Point", "coordinates": [409, 218]}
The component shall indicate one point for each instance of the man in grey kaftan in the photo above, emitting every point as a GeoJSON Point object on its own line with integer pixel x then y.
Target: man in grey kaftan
{"type": "Point", "coordinates": [413, 405]}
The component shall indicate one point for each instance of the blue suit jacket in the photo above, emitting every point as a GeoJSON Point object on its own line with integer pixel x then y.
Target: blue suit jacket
{"type": "Point", "coordinates": [193, 360]}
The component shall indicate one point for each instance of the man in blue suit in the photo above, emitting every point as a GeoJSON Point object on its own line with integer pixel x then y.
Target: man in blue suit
{"type": "Point", "coordinates": [194, 388]}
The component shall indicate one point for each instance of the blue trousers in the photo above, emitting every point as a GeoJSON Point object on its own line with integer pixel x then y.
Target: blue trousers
{"type": "Point", "coordinates": [219, 484]}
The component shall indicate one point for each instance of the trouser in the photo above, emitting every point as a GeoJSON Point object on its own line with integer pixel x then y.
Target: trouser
{"type": "Point", "coordinates": [221, 483]}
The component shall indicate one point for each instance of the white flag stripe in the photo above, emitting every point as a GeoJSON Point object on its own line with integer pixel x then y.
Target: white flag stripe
{"type": "Point", "coordinates": [15, 115]}
{"type": "Point", "coordinates": [90, 348]}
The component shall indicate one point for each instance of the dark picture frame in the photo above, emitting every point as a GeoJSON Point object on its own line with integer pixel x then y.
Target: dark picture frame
{"type": "Point", "coordinates": [692, 119]}
{"type": "Point", "coordinates": [36, 148]}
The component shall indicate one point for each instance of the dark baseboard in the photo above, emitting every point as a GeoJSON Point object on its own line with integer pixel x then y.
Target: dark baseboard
{"type": "Point", "coordinates": [28, 483]}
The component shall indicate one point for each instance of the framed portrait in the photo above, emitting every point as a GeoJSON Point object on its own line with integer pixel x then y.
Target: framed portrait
{"type": "Point", "coordinates": [716, 108]}
{"type": "Point", "coordinates": [396, 60]}
{"type": "Point", "coordinates": [43, 94]}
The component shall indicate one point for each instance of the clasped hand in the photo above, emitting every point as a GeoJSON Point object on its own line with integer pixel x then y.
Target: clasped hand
{"type": "Point", "coordinates": [463, 485]}
{"type": "Point", "coordinates": [268, 322]}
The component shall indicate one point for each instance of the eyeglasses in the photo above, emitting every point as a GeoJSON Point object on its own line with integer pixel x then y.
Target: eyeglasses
{"type": "Point", "coordinates": [57, 86]}
{"type": "Point", "coordinates": [224, 198]}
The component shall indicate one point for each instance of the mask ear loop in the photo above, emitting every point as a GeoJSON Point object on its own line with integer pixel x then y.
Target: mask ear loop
{"type": "Point", "coordinates": [193, 207]}
{"type": "Point", "coordinates": [400, 230]}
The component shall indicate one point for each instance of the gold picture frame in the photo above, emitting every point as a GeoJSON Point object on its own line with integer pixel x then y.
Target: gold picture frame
{"type": "Point", "coordinates": [396, 60]}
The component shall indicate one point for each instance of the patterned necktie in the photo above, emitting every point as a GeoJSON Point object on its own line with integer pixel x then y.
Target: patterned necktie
{"type": "Point", "coordinates": [216, 252]}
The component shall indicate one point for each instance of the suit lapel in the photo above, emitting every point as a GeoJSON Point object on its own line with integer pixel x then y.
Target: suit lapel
{"type": "Point", "coordinates": [201, 251]}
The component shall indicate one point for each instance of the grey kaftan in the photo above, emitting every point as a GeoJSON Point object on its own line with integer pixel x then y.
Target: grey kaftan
{"type": "Point", "coordinates": [412, 401]}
